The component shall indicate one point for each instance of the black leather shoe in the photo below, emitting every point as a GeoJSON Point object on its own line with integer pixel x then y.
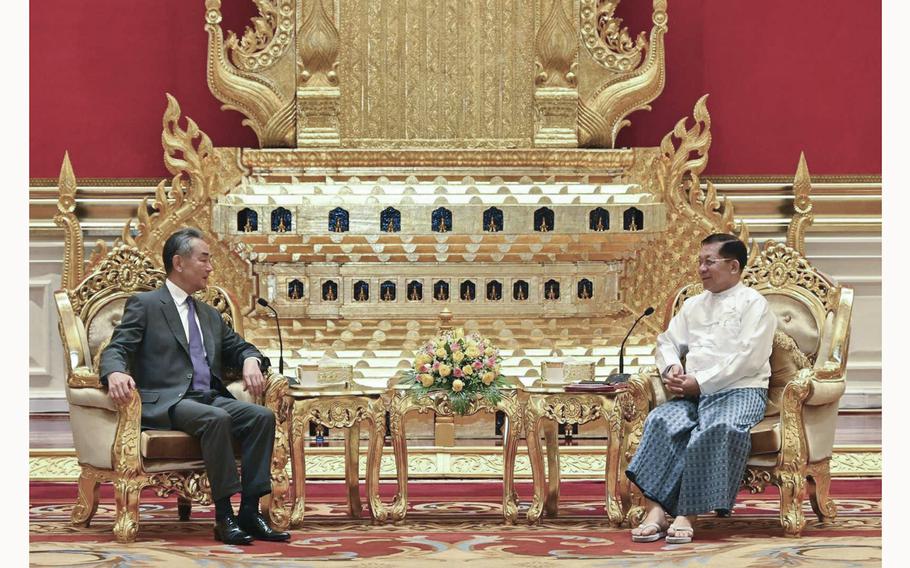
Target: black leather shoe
{"type": "Point", "coordinates": [257, 527]}
{"type": "Point", "coordinates": [227, 531]}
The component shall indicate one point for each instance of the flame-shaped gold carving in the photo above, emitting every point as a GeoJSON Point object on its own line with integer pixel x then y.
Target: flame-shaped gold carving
{"type": "Point", "coordinates": [692, 214]}
{"type": "Point", "coordinates": [318, 56]}
{"type": "Point", "coordinates": [268, 104]}
{"type": "Point", "coordinates": [556, 49]}
{"type": "Point", "coordinates": [267, 40]}
{"type": "Point", "coordinates": [802, 207]}
{"type": "Point", "coordinates": [73, 263]}
{"type": "Point", "coordinates": [608, 42]}
{"type": "Point", "coordinates": [200, 174]}
{"type": "Point", "coordinates": [602, 113]}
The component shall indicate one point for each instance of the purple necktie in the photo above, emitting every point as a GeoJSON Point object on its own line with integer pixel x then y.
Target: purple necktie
{"type": "Point", "coordinates": [202, 376]}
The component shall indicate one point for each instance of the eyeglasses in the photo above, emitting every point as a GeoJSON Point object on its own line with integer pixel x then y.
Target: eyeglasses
{"type": "Point", "coordinates": [709, 262]}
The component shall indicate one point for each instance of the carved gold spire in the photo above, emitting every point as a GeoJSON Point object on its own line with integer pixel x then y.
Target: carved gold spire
{"type": "Point", "coordinates": [802, 207]}
{"type": "Point", "coordinates": [73, 253]}
{"type": "Point", "coordinates": [555, 92]}
{"type": "Point", "coordinates": [318, 56]}
{"type": "Point", "coordinates": [318, 93]}
{"type": "Point", "coordinates": [556, 49]}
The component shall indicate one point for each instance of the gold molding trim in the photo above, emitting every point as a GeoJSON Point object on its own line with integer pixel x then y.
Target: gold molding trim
{"type": "Point", "coordinates": [738, 179]}
{"type": "Point", "coordinates": [536, 158]}
{"type": "Point", "coordinates": [429, 462]}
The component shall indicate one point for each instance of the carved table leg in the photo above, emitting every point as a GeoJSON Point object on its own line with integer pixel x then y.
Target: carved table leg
{"type": "Point", "coordinates": [613, 504]}
{"type": "Point", "coordinates": [509, 449]}
{"type": "Point", "coordinates": [400, 446]}
{"type": "Point", "coordinates": [87, 500]}
{"type": "Point", "coordinates": [551, 435]}
{"type": "Point", "coordinates": [352, 468]}
{"type": "Point", "coordinates": [299, 424]}
{"type": "Point", "coordinates": [532, 437]}
{"type": "Point", "coordinates": [378, 511]}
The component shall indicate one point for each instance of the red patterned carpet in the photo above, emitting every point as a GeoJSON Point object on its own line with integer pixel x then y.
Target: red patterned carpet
{"type": "Point", "coordinates": [458, 522]}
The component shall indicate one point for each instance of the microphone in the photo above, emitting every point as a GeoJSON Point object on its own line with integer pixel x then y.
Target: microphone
{"type": "Point", "coordinates": [264, 304]}
{"type": "Point", "coordinates": [621, 377]}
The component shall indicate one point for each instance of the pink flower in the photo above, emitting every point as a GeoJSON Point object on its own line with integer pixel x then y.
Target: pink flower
{"type": "Point", "coordinates": [454, 346]}
{"type": "Point", "coordinates": [435, 365]}
{"type": "Point", "coordinates": [491, 361]}
{"type": "Point", "coordinates": [424, 368]}
{"type": "Point", "coordinates": [457, 372]}
{"type": "Point", "coordinates": [478, 364]}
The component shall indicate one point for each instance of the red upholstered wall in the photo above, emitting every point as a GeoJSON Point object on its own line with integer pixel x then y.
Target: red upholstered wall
{"type": "Point", "coordinates": [782, 76]}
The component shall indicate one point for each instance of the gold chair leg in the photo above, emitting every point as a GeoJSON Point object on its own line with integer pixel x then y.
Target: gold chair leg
{"type": "Point", "coordinates": [792, 485]}
{"type": "Point", "coordinates": [126, 496]}
{"type": "Point", "coordinates": [819, 486]}
{"type": "Point", "coordinates": [352, 469]}
{"type": "Point", "coordinates": [86, 500]}
{"type": "Point", "coordinates": [184, 508]}
{"type": "Point", "coordinates": [551, 435]}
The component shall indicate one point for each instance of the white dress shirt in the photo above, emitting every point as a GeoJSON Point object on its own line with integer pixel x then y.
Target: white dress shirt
{"type": "Point", "coordinates": [183, 310]}
{"type": "Point", "coordinates": [179, 295]}
{"type": "Point", "coordinates": [725, 337]}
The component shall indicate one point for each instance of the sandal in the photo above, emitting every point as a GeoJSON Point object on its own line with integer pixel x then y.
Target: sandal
{"type": "Point", "coordinates": [661, 533]}
{"type": "Point", "coordinates": [676, 538]}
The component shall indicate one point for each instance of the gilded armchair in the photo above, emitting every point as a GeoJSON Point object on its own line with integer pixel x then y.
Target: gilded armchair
{"type": "Point", "coordinates": [110, 445]}
{"type": "Point", "coordinates": [792, 445]}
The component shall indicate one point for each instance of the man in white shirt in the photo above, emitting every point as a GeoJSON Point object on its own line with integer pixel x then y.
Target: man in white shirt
{"type": "Point", "coordinates": [171, 348]}
{"type": "Point", "coordinates": [694, 448]}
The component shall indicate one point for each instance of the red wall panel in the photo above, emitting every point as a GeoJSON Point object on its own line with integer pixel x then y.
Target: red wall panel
{"type": "Point", "coordinates": [782, 76]}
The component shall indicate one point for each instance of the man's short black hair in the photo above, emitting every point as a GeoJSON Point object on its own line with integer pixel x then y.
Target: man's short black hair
{"type": "Point", "coordinates": [732, 247]}
{"type": "Point", "coordinates": [181, 242]}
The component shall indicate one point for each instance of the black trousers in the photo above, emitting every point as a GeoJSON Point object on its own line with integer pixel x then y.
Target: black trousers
{"type": "Point", "coordinates": [215, 419]}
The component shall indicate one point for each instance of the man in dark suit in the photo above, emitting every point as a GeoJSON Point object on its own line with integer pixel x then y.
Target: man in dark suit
{"type": "Point", "coordinates": [171, 349]}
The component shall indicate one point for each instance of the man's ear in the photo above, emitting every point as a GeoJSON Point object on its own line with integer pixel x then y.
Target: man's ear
{"type": "Point", "coordinates": [177, 263]}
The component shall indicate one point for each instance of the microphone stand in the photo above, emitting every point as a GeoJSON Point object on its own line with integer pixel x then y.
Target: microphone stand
{"type": "Point", "coordinates": [622, 377]}
{"type": "Point", "coordinates": [262, 302]}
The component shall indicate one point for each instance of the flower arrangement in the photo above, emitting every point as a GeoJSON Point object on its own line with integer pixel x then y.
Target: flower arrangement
{"type": "Point", "coordinates": [464, 367]}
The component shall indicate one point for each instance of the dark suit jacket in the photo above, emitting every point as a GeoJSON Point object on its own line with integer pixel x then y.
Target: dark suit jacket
{"type": "Point", "coordinates": [151, 346]}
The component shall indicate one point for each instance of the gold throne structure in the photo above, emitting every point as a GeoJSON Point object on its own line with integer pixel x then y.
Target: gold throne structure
{"type": "Point", "coordinates": [440, 111]}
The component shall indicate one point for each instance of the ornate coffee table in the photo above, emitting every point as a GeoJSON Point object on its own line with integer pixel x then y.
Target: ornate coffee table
{"type": "Point", "coordinates": [549, 405]}
{"type": "Point", "coordinates": [403, 401]}
{"type": "Point", "coordinates": [345, 408]}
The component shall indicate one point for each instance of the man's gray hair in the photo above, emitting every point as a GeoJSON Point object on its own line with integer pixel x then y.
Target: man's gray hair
{"type": "Point", "coordinates": [179, 243]}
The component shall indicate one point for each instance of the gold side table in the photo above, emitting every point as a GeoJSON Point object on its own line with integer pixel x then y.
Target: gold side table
{"type": "Point", "coordinates": [403, 402]}
{"type": "Point", "coordinates": [345, 408]}
{"type": "Point", "coordinates": [548, 406]}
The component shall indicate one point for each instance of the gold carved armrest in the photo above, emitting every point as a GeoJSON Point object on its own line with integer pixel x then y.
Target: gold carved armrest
{"type": "Point", "coordinates": [80, 372]}
{"type": "Point", "coordinates": [649, 382]}
{"type": "Point", "coordinates": [822, 391]}
{"type": "Point", "coordinates": [836, 340]}
{"type": "Point", "coordinates": [125, 452]}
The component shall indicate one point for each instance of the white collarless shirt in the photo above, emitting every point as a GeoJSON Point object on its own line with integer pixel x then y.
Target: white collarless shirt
{"type": "Point", "coordinates": [726, 339]}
